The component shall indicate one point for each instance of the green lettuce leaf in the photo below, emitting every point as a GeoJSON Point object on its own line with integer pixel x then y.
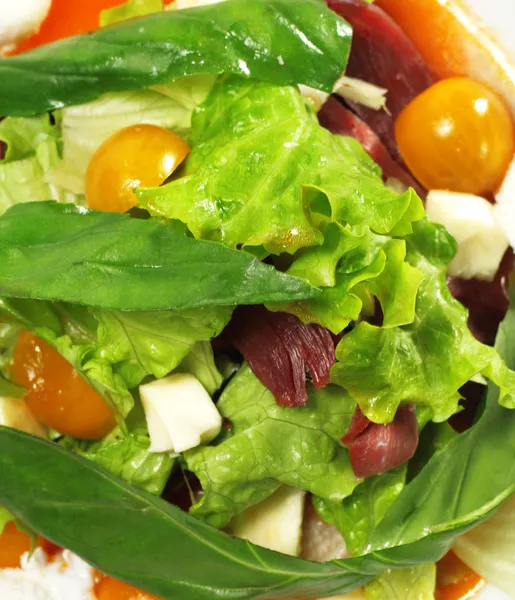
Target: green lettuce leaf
{"type": "Point", "coordinates": [200, 362]}
{"type": "Point", "coordinates": [417, 583]}
{"type": "Point", "coordinates": [359, 514]}
{"type": "Point", "coordinates": [269, 445]}
{"type": "Point", "coordinates": [23, 135]}
{"type": "Point", "coordinates": [32, 153]}
{"type": "Point", "coordinates": [155, 343]}
{"type": "Point", "coordinates": [115, 351]}
{"type": "Point", "coordinates": [232, 204]}
{"type": "Point", "coordinates": [129, 458]}
{"type": "Point", "coordinates": [129, 10]}
{"type": "Point", "coordinates": [427, 361]}
{"type": "Point", "coordinates": [86, 126]}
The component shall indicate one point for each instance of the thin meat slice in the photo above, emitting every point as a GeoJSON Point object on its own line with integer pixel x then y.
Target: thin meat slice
{"type": "Point", "coordinates": [280, 349]}
{"type": "Point", "coordinates": [382, 54]}
{"type": "Point", "coordinates": [379, 448]}
{"type": "Point", "coordinates": [339, 119]}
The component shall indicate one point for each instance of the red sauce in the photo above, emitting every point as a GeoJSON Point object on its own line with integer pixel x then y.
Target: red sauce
{"type": "Point", "coordinates": [456, 581]}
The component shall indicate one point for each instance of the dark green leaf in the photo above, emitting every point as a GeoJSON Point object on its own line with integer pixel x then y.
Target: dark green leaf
{"type": "Point", "coordinates": [110, 260]}
{"type": "Point", "coordinates": [10, 389]}
{"type": "Point", "coordinates": [282, 41]}
{"type": "Point", "coordinates": [145, 541]}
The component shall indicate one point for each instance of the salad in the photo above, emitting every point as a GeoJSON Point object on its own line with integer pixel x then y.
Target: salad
{"type": "Point", "coordinates": [255, 322]}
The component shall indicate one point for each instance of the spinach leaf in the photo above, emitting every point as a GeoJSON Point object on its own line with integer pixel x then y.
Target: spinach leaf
{"type": "Point", "coordinates": [427, 361]}
{"type": "Point", "coordinates": [270, 445]}
{"type": "Point", "coordinates": [233, 128]}
{"type": "Point", "coordinates": [282, 41]}
{"type": "Point", "coordinates": [145, 541]}
{"type": "Point", "coordinates": [112, 261]}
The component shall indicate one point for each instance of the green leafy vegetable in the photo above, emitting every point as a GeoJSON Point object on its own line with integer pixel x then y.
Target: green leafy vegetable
{"type": "Point", "coordinates": [232, 204]}
{"type": "Point", "coordinates": [417, 583]}
{"type": "Point", "coordinates": [80, 506]}
{"type": "Point", "coordinates": [200, 362]}
{"type": "Point", "coordinates": [427, 361]}
{"type": "Point", "coordinates": [112, 261]}
{"type": "Point", "coordinates": [359, 514]}
{"type": "Point", "coordinates": [155, 343]}
{"type": "Point", "coordinates": [129, 10]}
{"type": "Point", "coordinates": [129, 458]}
{"type": "Point", "coordinates": [269, 445]}
{"type": "Point", "coordinates": [32, 152]}
{"type": "Point", "coordinates": [282, 41]}
{"type": "Point", "coordinates": [86, 126]}
{"type": "Point", "coordinates": [5, 517]}
{"type": "Point", "coordinates": [23, 135]}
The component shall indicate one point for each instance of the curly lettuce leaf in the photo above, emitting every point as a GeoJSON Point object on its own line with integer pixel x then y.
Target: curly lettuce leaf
{"type": "Point", "coordinates": [86, 126]}
{"type": "Point", "coordinates": [32, 152]}
{"type": "Point", "coordinates": [200, 362]}
{"type": "Point", "coordinates": [425, 362]}
{"type": "Point", "coordinates": [129, 458]}
{"type": "Point", "coordinates": [154, 343]}
{"type": "Point", "coordinates": [417, 583]}
{"type": "Point", "coordinates": [269, 445]}
{"type": "Point", "coordinates": [234, 171]}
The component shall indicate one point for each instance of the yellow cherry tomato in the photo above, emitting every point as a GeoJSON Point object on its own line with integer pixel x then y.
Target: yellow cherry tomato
{"type": "Point", "coordinates": [458, 136]}
{"type": "Point", "coordinates": [56, 394]}
{"type": "Point", "coordinates": [137, 156]}
{"type": "Point", "coordinates": [13, 544]}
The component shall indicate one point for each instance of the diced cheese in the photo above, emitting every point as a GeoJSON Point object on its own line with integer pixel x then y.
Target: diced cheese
{"type": "Point", "coordinates": [275, 523]}
{"type": "Point", "coordinates": [504, 209]}
{"type": "Point", "coordinates": [180, 413]}
{"type": "Point", "coordinates": [470, 219]}
{"type": "Point", "coordinates": [16, 414]}
{"type": "Point", "coordinates": [361, 92]}
{"type": "Point", "coordinates": [20, 19]}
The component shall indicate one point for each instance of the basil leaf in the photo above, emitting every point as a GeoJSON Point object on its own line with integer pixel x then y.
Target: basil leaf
{"type": "Point", "coordinates": [10, 389]}
{"type": "Point", "coordinates": [110, 260]}
{"type": "Point", "coordinates": [138, 538]}
{"type": "Point", "coordinates": [282, 41]}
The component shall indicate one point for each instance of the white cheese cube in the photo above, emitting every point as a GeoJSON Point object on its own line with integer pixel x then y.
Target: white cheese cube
{"type": "Point", "coordinates": [181, 4]}
{"type": "Point", "coordinates": [275, 523]}
{"type": "Point", "coordinates": [15, 413]}
{"type": "Point", "coordinates": [470, 219]}
{"type": "Point", "coordinates": [180, 413]}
